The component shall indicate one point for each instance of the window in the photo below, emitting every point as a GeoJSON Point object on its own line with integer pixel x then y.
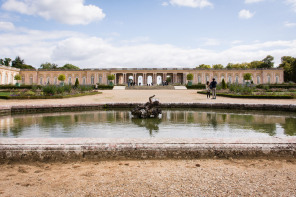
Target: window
{"type": "Point", "coordinates": [92, 80]}
{"type": "Point", "coordinates": [222, 77]}
{"type": "Point", "coordinates": [258, 79]}
{"type": "Point", "coordinates": [41, 80]}
{"type": "Point", "coordinates": [31, 80]}
{"type": "Point", "coordinates": [11, 79]}
{"type": "Point", "coordinates": [236, 79]}
{"type": "Point", "coordinates": [48, 80]}
{"type": "Point", "coordinates": [229, 79]}
{"type": "Point", "coordinates": [277, 79]}
{"type": "Point", "coordinates": [268, 79]}
{"type": "Point", "coordinates": [23, 79]}
{"type": "Point", "coordinates": [55, 80]}
{"type": "Point", "coordinates": [100, 79]}
{"type": "Point", "coordinates": [199, 79]}
{"type": "Point", "coordinates": [207, 78]}
{"type": "Point", "coordinates": [70, 80]}
{"type": "Point", "coordinates": [84, 80]}
{"type": "Point", "coordinates": [0, 79]}
{"type": "Point", "coordinates": [6, 79]}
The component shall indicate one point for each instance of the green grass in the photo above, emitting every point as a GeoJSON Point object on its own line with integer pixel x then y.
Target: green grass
{"type": "Point", "coordinates": [5, 93]}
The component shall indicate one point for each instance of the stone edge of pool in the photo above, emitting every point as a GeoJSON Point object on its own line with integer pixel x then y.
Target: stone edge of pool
{"type": "Point", "coordinates": [96, 149]}
{"type": "Point", "coordinates": [19, 109]}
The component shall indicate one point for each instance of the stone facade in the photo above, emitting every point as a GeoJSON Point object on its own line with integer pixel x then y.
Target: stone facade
{"type": "Point", "coordinates": [143, 75]}
{"type": "Point", "coordinates": [7, 75]}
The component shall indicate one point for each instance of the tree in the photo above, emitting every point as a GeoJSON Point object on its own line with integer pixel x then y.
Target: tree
{"type": "Point", "coordinates": [190, 77]}
{"type": "Point", "coordinates": [76, 83]}
{"type": "Point", "coordinates": [247, 76]}
{"type": "Point", "coordinates": [287, 65]}
{"type": "Point", "coordinates": [49, 66]}
{"type": "Point", "coordinates": [20, 63]}
{"type": "Point", "coordinates": [7, 61]}
{"type": "Point", "coordinates": [217, 66]}
{"type": "Point", "coordinates": [69, 67]}
{"type": "Point", "coordinates": [168, 79]}
{"type": "Point", "coordinates": [1, 62]}
{"type": "Point", "coordinates": [224, 86]}
{"type": "Point", "coordinates": [257, 64]}
{"type": "Point", "coordinates": [17, 77]}
{"type": "Point", "coordinates": [203, 66]}
{"type": "Point", "coordinates": [111, 77]}
{"type": "Point", "coordinates": [268, 62]}
{"type": "Point", "coordinates": [62, 77]}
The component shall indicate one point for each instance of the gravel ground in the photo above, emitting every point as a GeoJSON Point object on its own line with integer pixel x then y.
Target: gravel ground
{"type": "Point", "coordinates": [254, 177]}
{"type": "Point", "coordinates": [141, 96]}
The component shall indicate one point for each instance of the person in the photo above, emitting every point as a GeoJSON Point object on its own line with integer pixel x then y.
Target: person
{"type": "Point", "coordinates": [213, 85]}
{"type": "Point", "coordinates": [208, 90]}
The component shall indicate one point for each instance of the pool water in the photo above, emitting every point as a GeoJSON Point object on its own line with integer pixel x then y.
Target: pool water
{"type": "Point", "coordinates": [199, 123]}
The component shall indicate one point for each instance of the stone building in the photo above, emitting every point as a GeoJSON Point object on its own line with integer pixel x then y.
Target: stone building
{"type": "Point", "coordinates": [140, 76]}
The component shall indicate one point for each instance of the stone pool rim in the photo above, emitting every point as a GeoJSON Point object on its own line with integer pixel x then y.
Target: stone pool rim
{"type": "Point", "coordinates": [22, 109]}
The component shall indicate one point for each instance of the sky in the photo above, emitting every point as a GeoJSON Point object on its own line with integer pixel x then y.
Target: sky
{"type": "Point", "coordinates": [146, 33]}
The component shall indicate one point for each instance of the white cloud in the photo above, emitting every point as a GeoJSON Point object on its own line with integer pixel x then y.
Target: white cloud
{"type": "Point", "coordinates": [211, 42]}
{"type": "Point", "coordinates": [245, 14]}
{"type": "Point", "coordinates": [253, 1]}
{"type": "Point", "coordinates": [292, 3]}
{"type": "Point", "coordinates": [6, 26]}
{"type": "Point", "coordinates": [165, 4]}
{"type": "Point", "coordinates": [288, 24]}
{"type": "Point", "coordinates": [62, 47]}
{"type": "Point", "coordinates": [192, 3]}
{"type": "Point", "coordinates": [72, 12]}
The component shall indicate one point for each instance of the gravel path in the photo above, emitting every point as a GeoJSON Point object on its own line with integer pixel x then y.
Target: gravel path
{"type": "Point", "coordinates": [141, 96]}
{"type": "Point", "coordinates": [151, 178]}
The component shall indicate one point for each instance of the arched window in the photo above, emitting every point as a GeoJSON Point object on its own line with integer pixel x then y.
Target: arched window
{"type": "Point", "coordinates": [268, 79]}
{"type": "Point", "coordinates": [70, 80]}
{"type": "Point", "coordinates": [222, 77]}
{"type": "Point", "coordinates": [11, 79]}
{"type": "Point", "coordinates": [207, 78]}
{"type": "Point", "coordinates": [23, 79]}
{"type": "Point", "coordinates": [92, 80]}
{"type": "Point", "coordinates": [55, 81]}
{"type": "Point", "coordinates": [0, 79]}
{"type": "Point", "coordinates": [31, 80]}
{"type": "Point", "coordinates": [236, 79]}
{"type": "Point", "coordinates": [229, 79]}
{"type": "Point", "coordinates": [100, 79]}
{"type": "Point", "coordinates": [258, 80]}
{"type": "Point", "coordinates": [84, 80]}
{"type": "Point", "coordinates": [199, 79]}
{"type": "Point", "coordinates": [48, 80]}
{"type": "Point", "coordinates": [277, 79]}
{"type": "Point", "coordinates": [41, 80]}
{"type": "Point", "coordinates": [6, 79]}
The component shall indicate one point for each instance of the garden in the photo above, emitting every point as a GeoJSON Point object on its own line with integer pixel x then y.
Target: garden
{"type": "Point", "coordinates": [46, 92]}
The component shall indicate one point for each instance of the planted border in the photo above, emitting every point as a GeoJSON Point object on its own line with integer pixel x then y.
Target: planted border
{"type": "Point", "coordinates": [253, 96]}
{"type": "Point", "coordinates": [50, 97]}
{"type": "Point", "coordinates": [20, 87]}
{"type": "Point", "coordinates": [196, 86]}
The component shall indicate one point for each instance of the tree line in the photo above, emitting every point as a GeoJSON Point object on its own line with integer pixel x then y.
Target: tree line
{"type": "Point", "coordinates": [18, 62]}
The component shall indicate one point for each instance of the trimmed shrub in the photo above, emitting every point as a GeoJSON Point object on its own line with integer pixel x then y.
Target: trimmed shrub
{"type": "Point", "coordinates": [20, 87]}
{"type": "Point", "coordinates": [49, 90]}
{"type": "Point", "coordinates": [196, 86]}
{"type": "Point", "coordinates": [253, 96]}
{"type": "Point", "coordinates": [224, 86]}
{"type": "Point", "coordinates": [104, 87]}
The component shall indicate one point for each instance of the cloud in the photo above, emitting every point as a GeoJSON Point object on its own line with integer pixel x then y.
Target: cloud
{"type": "Point", "coordinates": [6, 26]}
{"type": "Point", "coordinates": [192, 3]}
{"type": "Point", "coordinates": [211, 42]}
{"type": "Point", "coordinates": [61, 47]}
{"type": "Point", "coordinates": [72, 12]}
{"type": "Point", "coordinates": [165, 4]}
{"type": "Point", "coordinates": [245, 14]}
{"type": "Point", "coordinates": [288, 24]}
{"type": "Point", "coordinates": [292, 3]}
{"type": "Point", "coordinates": [253, 1]}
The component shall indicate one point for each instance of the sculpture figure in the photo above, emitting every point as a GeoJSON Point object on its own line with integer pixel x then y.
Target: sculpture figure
{"type": "Point", "coordinates": [149, 110]}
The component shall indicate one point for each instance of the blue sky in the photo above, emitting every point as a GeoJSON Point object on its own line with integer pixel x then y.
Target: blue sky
{"type": "Point", "coordinates": [146, 33]}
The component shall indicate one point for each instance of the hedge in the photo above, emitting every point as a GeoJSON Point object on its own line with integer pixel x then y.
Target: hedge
{"type": "Point", "coordinates": [20, 87]}
{"type": "Point", "coordinates": [104, 87]}
{"type": "Point", "coordinates": [50, 97]}
{"type": "Point", "coordinates": [286, 86]}
{"type": "Point", "coordinates": [253, 96]}
{"type": "Point", "coordinates": [196, 86]}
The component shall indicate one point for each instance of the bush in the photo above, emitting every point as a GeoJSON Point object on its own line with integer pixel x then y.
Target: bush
{"type": "Point", "coordinates": [20, 87]}
{"type": "Point", "coordinates": [49, 89]}
{"type": "Point", "coordinates": [104, 87]}
{"type": "Point", "coordinates": [224, 86]}
{"type": "Point", "coordinates": [241, 89]}
{"type": "Point", "coordinates": [86, 88]}
{"type": "Point", "coordinates": [196, 86]}
{"type": "Point", "coordinates": [29, 93]}
{"type": "Point", "coordinates": [285, 86]}
{"type": "Point", "coordinates": [76, 83]}
{"type": "Point", "coordinates": [253, 96]}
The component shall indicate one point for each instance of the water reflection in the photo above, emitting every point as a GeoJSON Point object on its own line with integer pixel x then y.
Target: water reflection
{"type": "Point", "coordinates": [173, 123]}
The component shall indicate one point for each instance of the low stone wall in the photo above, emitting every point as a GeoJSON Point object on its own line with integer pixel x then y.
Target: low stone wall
{"type": "Point", "coordinates": [31, 150]}
{"type": "Point", "coordinates": [6, 110]}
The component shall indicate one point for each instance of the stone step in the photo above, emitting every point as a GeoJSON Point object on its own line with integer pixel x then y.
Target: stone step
{"type": "Point", "coordinates": [180, 87]}
{"type": "Point", "coordinates": [119, 88]}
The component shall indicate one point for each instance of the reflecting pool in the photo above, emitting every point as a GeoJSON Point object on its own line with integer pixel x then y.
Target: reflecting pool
{"type": "Point", "coordinates": [199, 123]}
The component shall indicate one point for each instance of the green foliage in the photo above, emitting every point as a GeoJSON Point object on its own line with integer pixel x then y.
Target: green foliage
{"type": "Point", "coordinates": [224, 86]}
{"type": "Point", "coordinates": [76, 83]}
{"type": "Point", "coordinates": [20, 63]}
{"type": "Point", "coordinates": [288, 64]}
{"type": "Point", "coordinates": [253, 96]}
{"type": "Point", "coordinates": [111, 77]}
{"type": "Point", "coordinates": [196, 86]}
{"type": "Point", "coordinates": [104, 87]}
{"type": "Point", "coordinates": [1, 62]}
{"type": "Point", "coordinates": [61, 77]}
{"type": "Point", "coordinates": [86, 88]}
{"type": "Point", "coordinates": [217, 66]}
{"type": "Point", "coordinates": [256, 64]}
{"type": "Point", "coordinates": [168, 79]}
{"type": "Point", "coordinates": [241, 89]}
{"type": "Point", "coordinates": [268, 62]}
{"type": "Point", "coordinates": [29, 93]}
{"type": "Point", "coordinates": [69, 67]}
{"type": "Point", "coordinates": [7, 61]}
{"type": "Point", "coordinates": [17, 77]}
{"type": "Point", "coordinates": [20, 87]}
{"type": "Point", "coordinates": [203, 66]}
{"type": "Point", "coordinates": [49, 90]}
{"type": "Point", "coordinates": [190, 76]}
{"type": "Point", "coordinates": [247, 76]}
{"type": "Point", "coordinates": [49, 66]}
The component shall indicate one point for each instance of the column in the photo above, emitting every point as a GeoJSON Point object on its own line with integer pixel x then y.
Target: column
{"type": "Point", "coordinates": [115, 81]}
